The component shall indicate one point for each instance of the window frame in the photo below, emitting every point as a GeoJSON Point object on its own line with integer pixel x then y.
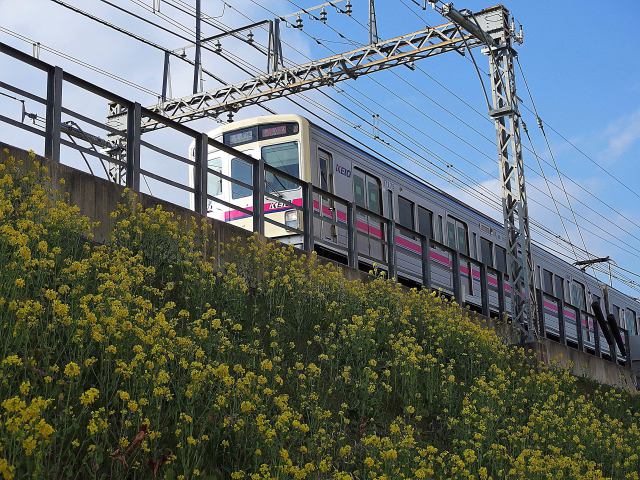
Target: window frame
{"type": "Point", "coordinates": [630, 317]}
{"type": "Point", "coordinates": [214, 179]}
{"type": "Point", "coordinates": [329, 170]}
{"type": "Point", "coordinates": [412, 207]}
{"type": "Point", "coordinates": [235, 186]}
{"type": "Point", "coordinates": [547, 287]}
{"type": "Point", "coordinates": [483, 242]}
{"type": "Point", "coordinates": [429, 213]}
{"type": "Point", "coordinates": [457, 224]}
{"type": "Point", "coordinates": [561, 295]}
{"type": "Point", "coordinates": [361, 176]}
{"type": "Point", "coordinates": [501, 259]}
{"type": "Point", "coordinates": [277, 180]}
{"type": "Point", "coordinates": [372, 180]}
{"type": "Point", "coordinates": [583, 291]}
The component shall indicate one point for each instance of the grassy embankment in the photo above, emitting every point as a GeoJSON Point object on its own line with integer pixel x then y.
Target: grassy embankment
{"type": "Point", "coordinates": [137, 360]}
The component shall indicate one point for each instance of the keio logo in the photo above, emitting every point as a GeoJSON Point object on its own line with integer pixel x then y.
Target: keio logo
{"type": "Point", "coordinates": [343, 170]}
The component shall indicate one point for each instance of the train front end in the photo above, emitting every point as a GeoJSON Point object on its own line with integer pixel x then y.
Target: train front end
{"type": "Point", "coordinates": [282, 143]}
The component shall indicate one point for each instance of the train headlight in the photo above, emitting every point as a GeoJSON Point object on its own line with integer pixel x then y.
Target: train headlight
{"type": "Point", "coordinates": [291, 218]}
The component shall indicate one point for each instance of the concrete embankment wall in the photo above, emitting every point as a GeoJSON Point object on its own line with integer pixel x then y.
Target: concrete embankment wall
{"type": "Point", "coordinates": [97, 198]}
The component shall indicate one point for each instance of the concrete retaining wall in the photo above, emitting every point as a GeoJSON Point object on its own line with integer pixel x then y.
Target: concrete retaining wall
{"type": "Point", "coordinates": [97, 198]}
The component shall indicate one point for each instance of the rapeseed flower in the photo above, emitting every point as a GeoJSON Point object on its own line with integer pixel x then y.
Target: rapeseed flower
{"type": "Point", "coordinates": [261, 364]}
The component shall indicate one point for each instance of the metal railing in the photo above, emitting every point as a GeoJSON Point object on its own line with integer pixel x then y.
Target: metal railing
{"type": "Point", "coordinates": [130, 141]}
{"type": "Point", "coordinates": [581, 332]}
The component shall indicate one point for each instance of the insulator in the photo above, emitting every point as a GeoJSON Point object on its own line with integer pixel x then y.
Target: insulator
{"type": "Point", "coordinates": [218, 46]}
{"type": "Point", "coordinates": [323, 15]}
{"type": "Point", "coordinates": [298, 24]}
{"type": "Point", "coordinates": [348, 9]}
{"type": "Point", "coordinates": [250, 37]}
{"type": "Point", "coordinates": [230, 116]}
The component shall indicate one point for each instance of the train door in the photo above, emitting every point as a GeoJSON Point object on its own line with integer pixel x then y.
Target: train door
{"type": "Point", "coordinates": [367, 193]}
{"type": "Point", "coordinates": [458, 239]}
{"type": "Point", "coordinates": [327, 230]}
{"type": "Point", "coordinates": [214, 188]}
{"type": "Point", "coordinates": [589, 334]}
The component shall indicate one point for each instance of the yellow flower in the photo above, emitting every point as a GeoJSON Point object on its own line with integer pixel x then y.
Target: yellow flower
{"type": "Point", "coordinates": [345, 451]}
{"type": "Point", "coordinates": [90, 396]}
{"type": "Point", "coordinates": [12, 360]}
{"type": "Point", "coordinates": [29, 444]}
{"type": "Point", "coordinates": [44, 429]}
{"type": "Point", "coordinates": [25, 387]}
{"type": "Point", "coordinates": [6, 470]}
{"type": "Point", "coordinates": [246, 406]}
{"type": "Point", "coordinates": [72, 370]}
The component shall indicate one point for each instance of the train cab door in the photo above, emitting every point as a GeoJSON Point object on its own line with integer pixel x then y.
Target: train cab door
{"type": "Point", "coordinates": [326, 229]}
{"type": "Point", "coordinates": [367, 194]}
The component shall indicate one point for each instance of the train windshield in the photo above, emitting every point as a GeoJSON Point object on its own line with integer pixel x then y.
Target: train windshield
{"type": "Point", "coordinates": [283, 156]}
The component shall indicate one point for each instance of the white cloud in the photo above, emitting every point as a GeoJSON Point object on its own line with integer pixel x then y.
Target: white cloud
{"type": "Point", "coordinates": [621, 135]}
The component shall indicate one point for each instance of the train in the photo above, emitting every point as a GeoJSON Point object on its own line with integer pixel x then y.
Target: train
{"type": "Point", "coordinates": [293, 144]}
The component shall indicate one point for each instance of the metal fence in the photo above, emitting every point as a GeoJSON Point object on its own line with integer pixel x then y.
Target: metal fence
{"type": "Point", "coordinates": [131, 137]}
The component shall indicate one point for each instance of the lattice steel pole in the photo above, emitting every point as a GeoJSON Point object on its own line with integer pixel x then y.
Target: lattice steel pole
{"type": "Point", "coordinates": [514, 194]}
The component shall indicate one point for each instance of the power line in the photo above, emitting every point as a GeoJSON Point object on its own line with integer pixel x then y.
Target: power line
{"type": "Point", "coordinates": [398, 142]}
{"type": "Point", "coordinates": [313, 37]}
{"type": "Point", "coordinates": [79, 62]}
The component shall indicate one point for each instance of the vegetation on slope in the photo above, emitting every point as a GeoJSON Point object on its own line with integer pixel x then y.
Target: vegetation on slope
{"type": "Point", "coordinates": [137, 359]}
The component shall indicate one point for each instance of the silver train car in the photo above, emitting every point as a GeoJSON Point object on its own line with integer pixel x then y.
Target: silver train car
{"type": "Point", "coordinates": [293, 144]}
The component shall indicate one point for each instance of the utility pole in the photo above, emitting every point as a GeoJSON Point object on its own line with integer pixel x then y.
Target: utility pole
{"type": "Point", "coordinates": [198, 58]}
{"type": "Point", "coordinates": [373, 26]}
{"type": "Point", "coordinates": [493, 27]}
{"type": "Point", "coordinates": [274, 54]}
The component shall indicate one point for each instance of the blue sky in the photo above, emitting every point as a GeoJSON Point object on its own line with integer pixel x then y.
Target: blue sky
{"type": "Point", "coordinates": [579, 58]}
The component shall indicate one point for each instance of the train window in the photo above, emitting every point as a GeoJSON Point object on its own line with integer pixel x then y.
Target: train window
{"type": "Point", "coordinates": [594, 298]}
{"type": "Point", "coordinates": [373, 193]}
{"type": "Point", "coordinates": [559, 287]}
{"type": "Point", "coordinates": [325, 170]}
{"type": "Point", "coordinates": [283, 156]}
{"type": "Point", "coordinates": [486, 251]}
{"type": "Point", "coordinates": [501, 259]}
{"type": "Point", "coordinates": [463, 239]}
{"type": "Point", "coordinates": [243, 171]}
{"type": "Point", "coordinates": [547, 281]}
{"type": "Point", "coordinates": [632, 327]}
{"type": "Point", "coordinates": [405, 213]}
{"type": "Point", "coordinates": [578, 295]}
{"type": "Point", "coordinates": [214, 183]}
{"type": "Point", "coordinates": [439, 229]}
{"type": "Point", "coordinates": [474, 250]}
{"type": "Point", "coordinates": [457, 235]}
{"type": "Point", "coordinates": [451, 234]}
{"type": "Point", "coordinates": [358, 190]}
{"type": "Point", "coordinates": [425, 220]}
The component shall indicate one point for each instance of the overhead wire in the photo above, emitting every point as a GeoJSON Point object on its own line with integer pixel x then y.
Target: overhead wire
{"type": "Point", "coordinates": [295, 4]}
{"type": "Point", "coordinates": [544, 206]}
{"type": "Point", "coordinates": [484, 117]}
{"type": "Point", "coordinates": [77, 61]}
{"type": "Point", "coordinates": [537, 157]}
